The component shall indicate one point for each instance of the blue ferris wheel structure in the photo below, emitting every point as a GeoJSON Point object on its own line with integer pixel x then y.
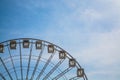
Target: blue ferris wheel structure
{"type": "Point", "coordinates": [35, 59]}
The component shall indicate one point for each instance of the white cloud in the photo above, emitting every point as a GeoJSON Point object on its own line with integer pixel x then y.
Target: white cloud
{"type": "Point", "coordinates": [104, 47]}
{"type": "Point", "coordinates": [103, 54]}
{"type": "Point", "coordinates": [99, 49]}
{"type": "Point", "coordinates": [91, 14]}
{"type": "Point", "coordinates": [102, 51]}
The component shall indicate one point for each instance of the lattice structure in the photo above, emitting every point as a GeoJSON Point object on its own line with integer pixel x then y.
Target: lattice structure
{"type": "Point", "coordinates": [34, 59]}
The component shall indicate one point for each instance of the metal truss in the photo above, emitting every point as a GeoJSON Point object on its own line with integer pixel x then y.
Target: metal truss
{"type": "Point", "coordinates": [35, 59]}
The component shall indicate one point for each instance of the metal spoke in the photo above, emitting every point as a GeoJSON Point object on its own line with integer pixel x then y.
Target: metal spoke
{"type": "Point", "coordinates": [29, 61]}
{"type": "Point", "coordinates": [62, 73]}
{"type": "Point", "coordinates": [38, 66]}
{"type": "Point", "coordinates": [21, 60]}
{"type": "Point", "coordinates": [85, 77]}
{"type": "Point", "coordinates": [12, 63]}
{"type": "Point", "coordinates": [2, 76]}
{"type": "Point", "coordinates": [74, 78]}
{"type": "Point", "coordinates": [42, 71]}
{"type": "Point", "coordinates": [37, 63]}
{"type": "Point", "coordinates": [6, 68]}
{"type": "Point", "coordinates": [53, 69]}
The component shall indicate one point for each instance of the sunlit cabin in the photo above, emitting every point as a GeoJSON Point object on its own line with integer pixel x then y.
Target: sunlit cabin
{"type": "Point", "coordinates": [13, 44]}
{"type": "Point", "coordinates": [62, 55]}
{"type": "Point", "coordinates": [38, 44]}
{"type": "Point", "coordinates": [80, 72]}
{"type": "Point", "coordinates": [50, 49]}
{"type": "Point", "coordinates": [72, 62]}
{"type": "Point", "coordinates": [26, 43]}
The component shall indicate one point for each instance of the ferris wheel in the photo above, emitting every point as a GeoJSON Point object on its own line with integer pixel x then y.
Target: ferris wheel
{"type": "Point", "coordinates": [35, 59]}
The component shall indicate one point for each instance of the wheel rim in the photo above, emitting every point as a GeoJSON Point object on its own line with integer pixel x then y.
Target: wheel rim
{"type": "Point", "coordinates": [35, 59]}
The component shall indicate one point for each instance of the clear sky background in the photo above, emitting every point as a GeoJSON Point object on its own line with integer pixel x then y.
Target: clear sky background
{"type": "Point", "coordinates": [88, 29]}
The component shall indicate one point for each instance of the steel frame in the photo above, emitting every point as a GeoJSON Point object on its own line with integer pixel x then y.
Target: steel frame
{"type": "Point", "coordinates": [44, 43]}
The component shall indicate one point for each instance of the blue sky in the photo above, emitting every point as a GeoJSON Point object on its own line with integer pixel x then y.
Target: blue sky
{"type": "Point", "coordinates": [88, 29]}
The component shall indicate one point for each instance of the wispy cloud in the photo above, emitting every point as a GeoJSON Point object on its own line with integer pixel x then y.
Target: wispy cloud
{"type": "Point", "coordinates": [99, 28]}
{"type": "Point", "coordinates": [88, 29]}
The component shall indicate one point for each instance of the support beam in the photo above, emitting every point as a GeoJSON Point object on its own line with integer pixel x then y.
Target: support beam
{"type": "Point", "coordinates": [85, 77]}
{"type": "Point", "coordinates": [45, 66]}
{"type": "Point", "coordinates": [74, 78]}
{"type": "Point", "coordinates": [3, 78]}
{"type": "Point", "coordinates": [37, 63]}
{"type": "Point", "coordinates": [12, 63]}
{"type": "Point", "coordinates": [21, 60]}
{"type": "Point", "coordinates": [29, 61]}
{"type": "Point", "coordinates": [53, 69]}
{"type": "Point", "coordinates": [62, 73]}
{"type": "Point", "coordinates": [6, 68]}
